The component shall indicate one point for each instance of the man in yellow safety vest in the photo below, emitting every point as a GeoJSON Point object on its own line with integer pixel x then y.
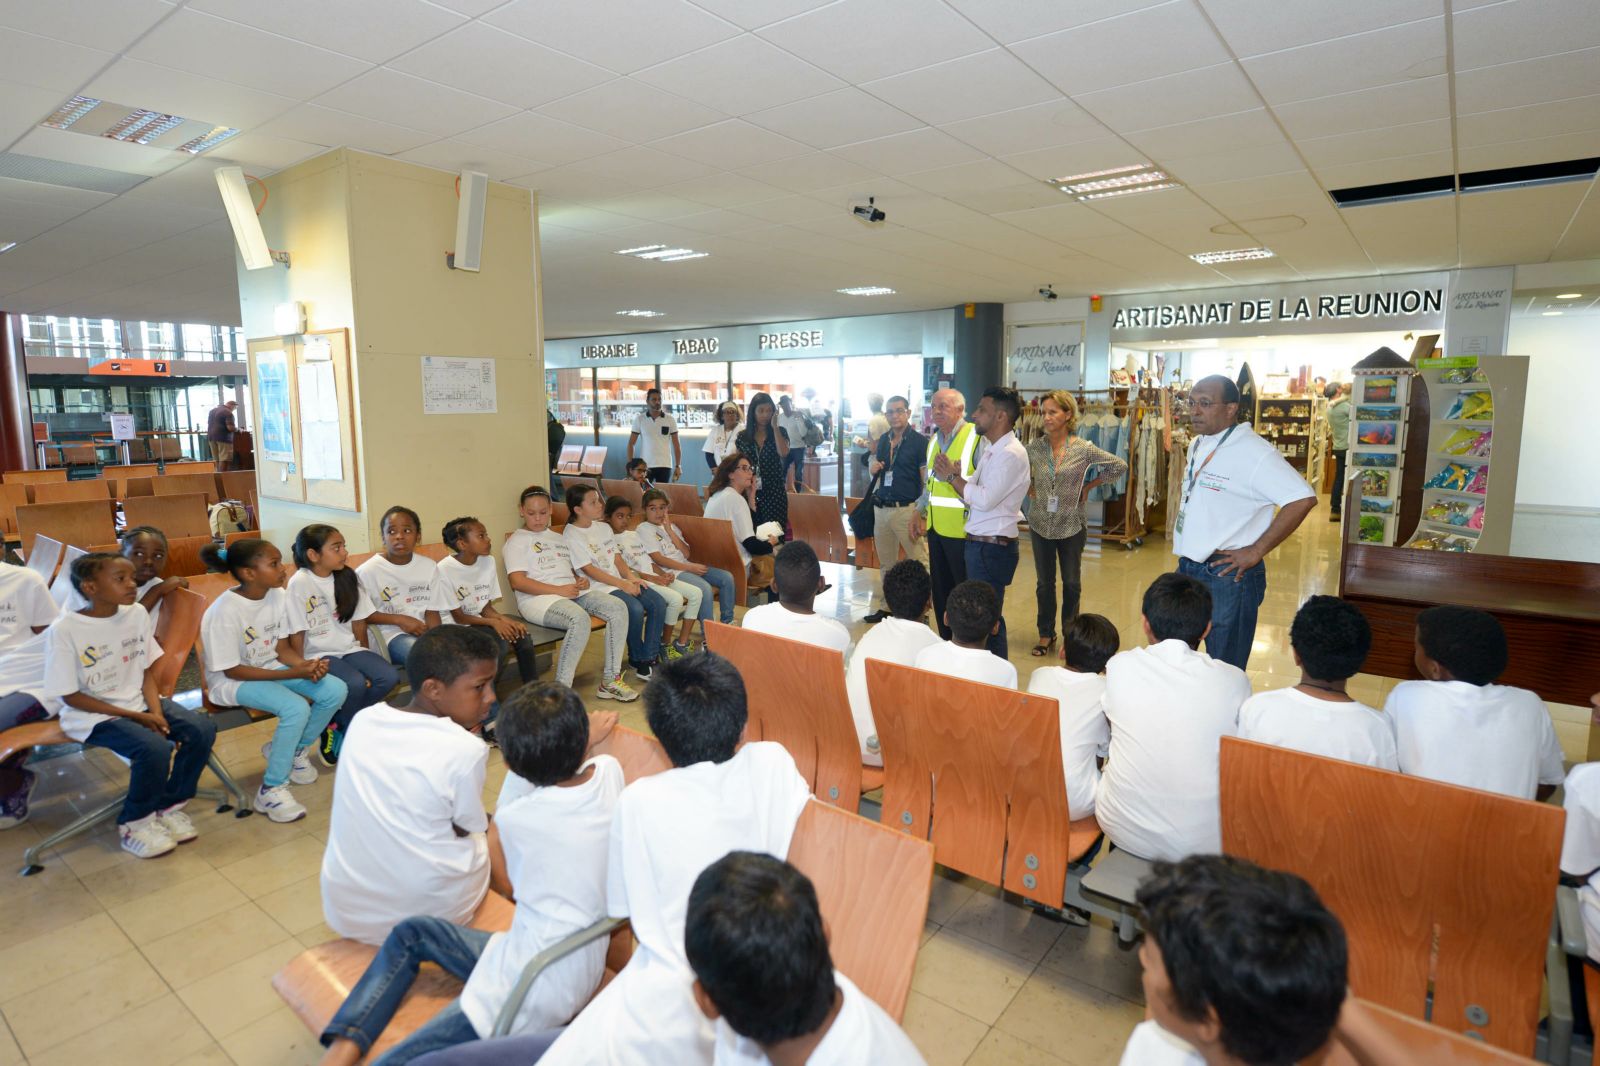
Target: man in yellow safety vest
{"type": "Point", "coordinates": [941, 513]}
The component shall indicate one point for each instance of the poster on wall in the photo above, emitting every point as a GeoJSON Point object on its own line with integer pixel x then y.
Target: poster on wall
{"type": "Point", "coordinates": [277, 432]}
{"type": "Point", "coordinates": [1044, 357]}
{"type": "Point", "coordinates": [457, 386]}
{"type": "Point", "coordinates": [319, 423]}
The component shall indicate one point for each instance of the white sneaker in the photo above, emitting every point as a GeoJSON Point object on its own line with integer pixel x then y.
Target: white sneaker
{"type": "Point", "coordinates": [145, 839]}
{"type": "Point", "coordinates": [616, 689]}
{"type": "Point", "coordinates": [177, 825]}
{"type": "Point", "coordinates": [278, 804]}
{"type": "Point", "coordinates": [302, 773]}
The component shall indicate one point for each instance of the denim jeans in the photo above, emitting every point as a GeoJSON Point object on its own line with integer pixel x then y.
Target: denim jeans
{"type": "Point", "coordinates": [158, 779]}
{"type": "Point", "coordinates": [527, 658]}
{"type": "Point", "coordinates": [368, 678]}
{"type": "Point", "coordinates": [647, 614]}
{"type": "Point", "coordinates": [1235, 599]}
{"type": "Point", "coordinates": [995, 565]}
{"type": "Point", "coordinates": [719, 580]}
{"type": "Point", "coordinates": [1046, 553]}
{"type": "Point", "coordinates": [497, 1051]}
{"type": "Point", "coordinates": [398, 647]}
{"type": "Point", "coordinates": [303, 709]}
{"type": "Point", "coordinates": [375, 998]}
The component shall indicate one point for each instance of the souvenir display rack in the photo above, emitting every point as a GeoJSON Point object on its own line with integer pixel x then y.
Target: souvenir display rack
{"type": "Point", "coordinates": [1289, 423]}
{"type": "Point", "coordinates": [1379, 399]}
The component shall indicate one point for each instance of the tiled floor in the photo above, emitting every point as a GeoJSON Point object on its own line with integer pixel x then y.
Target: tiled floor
{"type": "Point", "coordinates": [104, 958]}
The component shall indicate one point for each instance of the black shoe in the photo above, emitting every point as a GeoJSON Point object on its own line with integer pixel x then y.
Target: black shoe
{"type": "Point", "coordinates": [642, 670]}
{"type": "Point", "coordinates": [328, 746]}
{"type": "Point", "coordinates": [876, 616]}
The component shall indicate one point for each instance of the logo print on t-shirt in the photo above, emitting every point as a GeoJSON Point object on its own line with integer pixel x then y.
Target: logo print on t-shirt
{"type": "Point", "coordinates": [386, 595]}
{"type": "Point", "coordinates": [461, 592]}
{"type": "Point", "coordinates": [250, 635]}
{"type": "Point", "coordinates": [92, 654]}
{"type": "Point", "coordinates": [313, 602]}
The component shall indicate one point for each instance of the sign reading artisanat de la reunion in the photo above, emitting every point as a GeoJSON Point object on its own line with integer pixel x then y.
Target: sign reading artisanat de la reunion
{"type": "Point", "coordinates": [1289, 309]}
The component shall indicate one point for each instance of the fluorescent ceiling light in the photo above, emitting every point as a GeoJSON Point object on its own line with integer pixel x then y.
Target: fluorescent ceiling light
{"type": "Point", "coordinates": [70, 112]}
{"type": "Point", "coordinates": [1124, 192]}
{"type": "Point", "coordinates": [641, 248]}
{"type": "Point", "coordinates": [1569, 296]}
{"type": "Point", "coordinates": [217, 135]}
{"type": "Point", "coordinates": [1233, 256]}
{"type": "Point", "coordinates": [7, 246]}
{"type": "Point", "coordinates": [867, 290]}
{"type": "Point", "coordinates": [1116, 181]}
{"type": "Point", "coordinates": [1554, 314]}
{"type": "Point", "coordinates": [636, 313]}
{"type": "Point", "coordinates": [682, 257]}
{"type": "Point", "coordinates": [665, 253]}
{"type": "Point", "coordinates": [661, 253]}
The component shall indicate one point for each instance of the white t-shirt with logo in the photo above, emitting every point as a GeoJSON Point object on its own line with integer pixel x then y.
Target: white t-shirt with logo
{"type": "Point", "coordinates": [1580, 847]}
{"type": "Point", "coordinates": [777, 620]}
{"type": "Point", "coordinates": [634, 553]}
{"type": "Point", "coordinates": [77, 601]}
{"type": "Point", "coordinates": [893, 640]}
{"type": "Point", "coordinates": [469, 589]}
{"type": "Point", "coordinates": [311, 597]}
{"type": "Point", "coordinates": [238, 631]}
{"type": "Point", "coordinates": [593, 545]}
{"type": "Point", "coordinates": [412, 590]}
{"type": "Point", "coordinates": [546, 557]}
{"type": "Point", "coordinates": [1151, 1045]}
{"type": "Point", "coordinates": [656, 539]}
{"type": "Point", "coordinates": [24, 603]}
{"type": "Point", "coordinates": [101, 657]}
{"type": "Point", "coordinates": [1085, 733]}
{"type": "Point", "coordinates": [970, 664]}
{"type": "Point", "coordinates": [655, 437]}
{"type": "Point", "coordinates": [1289, 718]}
{"type": "Point", "coordinates": [1234, 494]}
{"type": "Point", "coordinates": [862, 1032]}
{"type": "Point", "coordinates": [1492, 737]}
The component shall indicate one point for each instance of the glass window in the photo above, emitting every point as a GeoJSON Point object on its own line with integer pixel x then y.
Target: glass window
{"type": "Point", "coordinates": [199, 342]}
{"type": "Point", "coordinates": [571, 396]}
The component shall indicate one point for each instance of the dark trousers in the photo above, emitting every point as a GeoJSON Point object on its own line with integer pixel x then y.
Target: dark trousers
{"type": "Point", "coordinates": [527, 656]}
{"type": "Point", "coordinates": [158, 780]}
{"type": "Point", "coordinates": [368, 676]}
{"type": "Point", "coordinates": [1235, 601]}
{"type": "Point", "coordinates": [1047, 552]}
{"type": "Point", "coordinates": [660, 474]}
{"type": "Point", "coordinates": [947, 567]}
{"type": "Point", "coordinates": [1339, 457]}
{"type": "Point", "coordinates": [995, 565]}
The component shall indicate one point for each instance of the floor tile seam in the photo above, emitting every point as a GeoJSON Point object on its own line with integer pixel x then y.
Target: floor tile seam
{"type": "Point", "coordinates": [169, 990]}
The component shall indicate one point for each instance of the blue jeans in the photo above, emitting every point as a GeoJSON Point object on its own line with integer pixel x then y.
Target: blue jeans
{"type": "Point", "coordinates": [995, 565]}
{"type": "Point", "coordinates": [367, 676]}
{"type": "Point", "coordinates": [1235, 599]}
{"type": "Point", "coordinates": [398, 647]}
{"type": "Point", "coordinates": [647, 614]}
{"type": "Point", "coordinates": [720, 580]}
{"type": "Point", "coordinates": [499, 1050]}
{"type": "Point", "coordinates": [158, 779]}
{"type": "Point", "coordinates": [527, 656]}
{"type": "Point", "coordinates": [375, 998]}
{"type": "Point", "coordinates": [303, 709]}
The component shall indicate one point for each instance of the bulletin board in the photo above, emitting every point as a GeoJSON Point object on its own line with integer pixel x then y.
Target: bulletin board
{"type": "Point", "coordinates": [305, 419]}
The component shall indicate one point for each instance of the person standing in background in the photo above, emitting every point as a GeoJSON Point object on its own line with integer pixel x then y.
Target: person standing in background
{"type": "Point", "coordinates": [940, 512]}
{"type": "Point", "coordinates": [219, 432]}
{"type": "Point", "coordinates": [877, 424]}
{"type": "Point", "coordinates": [1339, 426]}
{"type": "Point", "coordinates": [793, 425]}
{"type": "Point", "coordinates": [900, 458]}
{"type": "Point", "coordinates": [657, 428]}
{"type": "Point", "coordinates": [768, 448]}
{"type": "Point", "coordinates": [722, 438]}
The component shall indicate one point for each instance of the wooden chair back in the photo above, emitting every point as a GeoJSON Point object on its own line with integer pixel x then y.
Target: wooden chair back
{"type": "Point", "coordinates": [627, 489]}
{"type": "Point", "coordinates": [639, 755]}
{"type": "Point", "coordinates": [237, 484]}
{"type": "Point", "coordinates": [33, 477]}
{"type": "Point", "coordinates": [128, 488]}
{"type": "Point", "coordinates": [12, 496]}
{"type": "Point", "coordinates": [1420, 1043]}
{"type": "Point", "coordinates": [559, 513]}
{"type": "Point", "coordinates": [130, 480]}
{"type": "Point", "coordinates": [176, 516]}
{"type": "Point", "coordinates": [559, 495]}
{"type": "Point", "coordinates": [81, 522]}
{"type": "Point", "coordinates": [191, 466]}
{"type": "Point", "coordinates": [177, 629]}
{"type": "Point", "coordinates": [682, 499]}
{"type": "Point", "coordinates": [138, 450]}
{"type": "Point", "coordinates": [797, 697]}
{"type": "Point", "coordinates": [61, 587]}
{"type": "Point", "coordinates": [241, 534]}
{"type": "Point", "coordinates": [816, 519]}
{"type": "Point", "coordinates": [570, 460]}
{"type": "Point", "coordinates": [186, 484]}
{"type": "Point", "coordinates": [1435, 884]}
{"type": "Point", "coordinates": [183, 556]}
{"type": "Point", "coordinates": [72, 491]}
{"type": "Point", "coordinates": [436, 552]}
{"type": "Point", "coordinates": [80, 455]}
{"type": "Point", "coordinates": [122, 471]}
{"type": "Point", "coordinates": [165, 448]}
{"type": "Point", "coordinates": [594, 460]}
{"type": "Point", "coordinates": [711, 542]}
{"type": "Point", "coordinates": [976, 769]}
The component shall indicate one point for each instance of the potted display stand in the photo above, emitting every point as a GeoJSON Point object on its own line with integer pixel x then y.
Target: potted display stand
{"type": "Point", "coordinates": [1380, 399]}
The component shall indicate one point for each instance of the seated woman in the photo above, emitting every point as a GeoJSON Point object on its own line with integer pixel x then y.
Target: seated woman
{"type": "Point", "coordinates": [728, 499]}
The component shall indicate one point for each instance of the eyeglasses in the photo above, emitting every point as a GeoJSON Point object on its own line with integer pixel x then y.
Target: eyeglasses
{"type": "Point", "coordinates": [1207, 404]}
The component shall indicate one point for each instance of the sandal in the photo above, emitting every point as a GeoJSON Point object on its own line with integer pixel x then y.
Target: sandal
{"type": "Point", "coordinates": [1045, 646]}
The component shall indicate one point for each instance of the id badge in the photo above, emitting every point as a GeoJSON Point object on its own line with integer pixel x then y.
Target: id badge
{"type": "Point", "coordinates": [1052, 504]}
{"type": "Point", "coordinates": [888, 479]}
{"type": "Point", "coordinates": [758, 482]}
{"type": "Point", "coordinates": [1177, 527]}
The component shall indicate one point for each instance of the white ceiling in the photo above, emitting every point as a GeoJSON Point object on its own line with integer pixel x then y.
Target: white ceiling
{"type": "Point", "coordinates": [747, 129]}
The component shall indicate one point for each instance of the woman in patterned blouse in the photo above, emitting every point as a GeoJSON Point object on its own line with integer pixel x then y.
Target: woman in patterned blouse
{"type": "Point", "coordinates": [1061, 462]}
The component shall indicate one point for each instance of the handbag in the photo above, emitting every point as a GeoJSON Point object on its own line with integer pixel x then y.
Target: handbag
{"type": "Point", "coordinates": [862, 517]}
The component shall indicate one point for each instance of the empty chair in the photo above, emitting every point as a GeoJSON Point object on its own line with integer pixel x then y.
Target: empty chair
{"type": "Point", "coordinates": [82, 522]}
{"type": "Point", "coordinates": [71, 491]}
{"type": "Point", "coordinates": [33, 477]}
{"type": "Point", "coordinates": [627, 488]}
{"type": "Point", "coordinates": [237, 484]}
{"type": "Point", "coordinates": [80, 455]}
{"type": "Point", "coordinates": [176, 516]}
{"type": "Point", "coordinates": [12, 496]}
{"type": "Point", "coordinates": [682, 499]}
{"type": "Point", "coordinates": [182, 484]}
{"type": "Point", "coordinates": [594, 460]}
{"type": "Point", "coordinates": [570, 460]}
{"type": "Point", "coordinates": [818, 521]}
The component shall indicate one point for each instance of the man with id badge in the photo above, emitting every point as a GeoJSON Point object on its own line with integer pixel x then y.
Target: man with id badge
{"type": "Point", "coordinates": [900, 467]}
{"type": "Point", "coordinates": [1232, 482]}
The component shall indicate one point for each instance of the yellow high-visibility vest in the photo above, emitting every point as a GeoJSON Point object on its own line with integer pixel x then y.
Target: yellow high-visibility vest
{"type": "Point", "coordinates": [947, 512]}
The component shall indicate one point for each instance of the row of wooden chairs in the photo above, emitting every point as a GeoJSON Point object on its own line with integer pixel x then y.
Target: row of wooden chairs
{"type": "Point", "coordinates": [581, 459]}
{"type": "Point", "coordinates": [110, 471]}
{"type": "Point", "coordinates": [61, 454]}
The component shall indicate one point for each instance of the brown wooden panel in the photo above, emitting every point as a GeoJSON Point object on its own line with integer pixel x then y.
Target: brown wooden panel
{"type": "Point", "coordinates": [594, 460]}
{"type": "Point", "coordinates": [12, 496]}
{"type": "Point", "coordinates": [82, 522]}
{"type": "Point", "coordinates": [711, 542]}
{"type": "Point", "coordinates": [183, 556]}
{"type": "Point", "coordinates": [176, 631]}
{"type": "Point", "coordinates": [1410, 866]}
{"type": "Point", "coordinates": [1413, 1042]}
{"type": "Point", "coordinates": [816, 520]}
{"type": "Point", "coordinates": [682, 499]}
{"type": "Point", "coordinates": [33, 477]}
{"type": "Point", "coordinates": [569, 459]}
{"type": "Point", "coordinates": [71, 491]}
{"type": "Point", "coordinates": [237, 484]}
{"type": "Point", "coordinates": [185, 484]}
{"type": "Point", "coordinates": [627, 489]}
{"type": "Point", "coordinates": [639, 755]}
{"type": "Point", "coordinates": [176, 516]}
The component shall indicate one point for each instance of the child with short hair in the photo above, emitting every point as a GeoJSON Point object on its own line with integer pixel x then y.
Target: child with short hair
{"type": "Point", "coordinates": [1330, 639]}
{"type": "Point", "coordinates": [1458, 725]}
{"type": "Point", "coordinates": [98, 661]}
{"type": "Point", "coordinates": [472, 585]}
{"type": "Point", "coordinates": [146, 548]}
{"type": "Point", "coordinates": [797, 579]}
{"type": "Point", "coordinates": [249, 662]}
{"type": "Point", "coordinates": [1243, 966]}
{"type": "Point", "coordinates": [407, 834]}
{"type": "Point", "coordinates": [638, 471]}
{"type": "Point", "coordinates": [1169, 705]}
{"type": "Point", "coordinates": [563, 810]}
{"type": "Point", "coordinates": [594, 552]}
{"type": "Point", "coordinates": [669, 551]}
{"type": "Point", "coordinates": [719, 797]}
{"type": "Point", "coordinates": [1079, 688]}
{"type": "Point", "coordinates": [762, 972]}
{"type": "Point", "coordinates": [404, 586]}
{"type": "Point", "coordinates": [682, 599]}
{"type": "Point", "coordinates": [907, 590]}
{"type": "Point", "coordinates": [334, 609]}
{"type": "Point", "coordinates": [550, 592]}
{"type": "Point", "coordinates": [26, 611]}
{"type": "Point", "coordinates": [972, 611]}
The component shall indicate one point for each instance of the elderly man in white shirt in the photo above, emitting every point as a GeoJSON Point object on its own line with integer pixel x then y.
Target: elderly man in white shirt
{"type": "Point", "coordinates": [1226, 526]}
{"type": "Point", "coordinates": [994, 493]}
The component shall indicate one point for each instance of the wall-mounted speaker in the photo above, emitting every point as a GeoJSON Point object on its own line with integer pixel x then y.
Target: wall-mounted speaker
{"type": "Point", "coordinates": [241, 210]}
{"type": "Point", "coordinates": [469, 220]}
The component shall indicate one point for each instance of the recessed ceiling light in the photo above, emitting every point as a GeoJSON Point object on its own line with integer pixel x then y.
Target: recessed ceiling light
{"type": "Point", "coordinates": [136, 125]}
{"type": "Point", "coordinates": [208, 141]}
{"type": "Point", "coordinates": [636, 313]}
{"type": "Point", "coordinates": [1234, 256]}
{"type": "Point", "coordinates": [641, 248]}
{"type": "Point", "coordinates": [867, 290]}
{"type": "Point", "coordinates": [1569, 296]}
{"type": "Point", "coordinates": [7, 246]}
{"type": "Point", "coordinates": [661, 253]}
{"type": "Point", "coordinates": [70, 112]}
{"type": "Point", "coordinates": [683, 256]}
{"type": "Point", "coordinates": [1117, 181]}
{"type": "Point", "coordinates": [1554, 314]}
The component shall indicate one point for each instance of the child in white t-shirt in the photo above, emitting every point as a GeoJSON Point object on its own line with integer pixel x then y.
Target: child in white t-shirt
{"type": "Point", "coordinates": [554, 834]}
{"type": "Point", "coordinates": [146, 548]}
{"type": "Point", "coordinates": [334, 609]}
{"type": "Point", "coordinates": [797, 579]}
{"type": "Point", "coordinates": [972, 611]}
{"type": "Point", "coordinates": [595, 555]}
{"type": "Point", "coordinates": [1079, 688]}
{"type": "Point", "coordinates": [762, 972]}
{"type": "Point", "coordinates": [26, 611]}
{"type": "Point", "coordinates": [249, 662]}
{"type": "Point", "coordinates": [471, 588]}
{"type": "Point", "coordinates": [1330, 639]}
{"type": "Point", "coordinates": [1458, 726]}
{"type": "Point", "coordinates": [897, 639]}
{"type": "Point", "coordinates": [97, 662]}
{"type": "Point", "coordinates": [551, 592]}
{"type": "Point", "coordinates": [407, 833]}
{"type": "Point", "coordinates": [669, 551]}
{"type": "Point", "coordinates": [682, 599]}
{"type": "Point", "coordinates": [404, 587]}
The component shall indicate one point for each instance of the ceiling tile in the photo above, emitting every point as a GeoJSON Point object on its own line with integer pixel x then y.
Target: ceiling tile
{"type": "Point", "coordinates": [752, 14]}
{"type": "Point", "coordinates": [571, 182]}
{"type": "Point", "coordinates": [1377, 172]}
{"type": "Point", "coordinates": [139, 84]}
{"type": "Point", "coordinates": [644, 167]}
{"type": "Point", "coordinates": [1253, 27]}
{"type": "Point", "coordinates": [620, 35]}
{"type": "Point", "coordinates": [22, 107]}
{"type": "Point", "coordinates": [731, 145]}
{"type": "Point", "coordinates": [1046, 164]}
{"type": "Point", "coordinates": [216, 48]}
{"type": "Point", "coordinates": [1578, 145]}
{"type": "Point", "coordinates": [390, 96]}
{"type": "Point", "coordinates": [1346, 64]}
{"type": "Point", "coordinates": [587, 219]}
{"type": "Point", "coordinates": [1523, 29]}
{"type": "Point", "coordinates": [97, 151]}
{"type": "Point", "coordinates": [325, 126]}
{"type": "Point", "coordinates": [984, 175]}
{"type": "Point", "coordinates": [1247, 129]}
{"type": "Point", "coordinates": [740, 75]}
{"type": "Point", "coordinates": [110, 25]}
{"type": "Point", "coordinates": [1517, 225]}
{"type": "Point", "coordinates": [787, 209]}
{"type": "Point", "coordinates": [265, 153]}
{"type": "Point", "coordinates": [374, 30]}
{"type": "Point", "coordinates": [1227, 196]}
{"type": "Point", "coordinates": [632, 111]}
{"type": "Point", "coordinates": [1367, 109]}
{"type": "Point", "coordinates": [1025, 129]}
{"type": "Point", "coordinates": [470, 8]}
{"type": "Point", "coordinates": [1407, 235]}
{"type": "Point", "coordinates": [1412, 139]}
{"type": "Point", "coordinates": [1065, 222]}
{"type": "Point", "coordinates": [537, 136]}
{"type": "Point", "coordinates": [1195, 94]}
{"type": "Point", "coordinates": [456, 156]}
{"type": "Point", "coordinates": [1582, 239]}
{"type": "Point", "coordinates": [1231, 165]}
{"type": "Point", "coordinates": [723, 190]}
{"type": "Point", "coordinates": [48, 63]}
{"type": "Point", "coordinates": [860, 40]}
{"type": "Point", "coordinates": [1532, 81]}
{"type": "Point", "coordinates": [1015, 198]}
{"type": "Point", "coordinates": [841, 117]}
{"type": "Point", "coordinates": [1152, 43]}
{"type": "Point", "coordinates": [807, 173]}
{"type": "Point", "coordinates": [655, 207]}
{"type": "Point", "coordinates": [1009, 21]}
{"type": "Point", "coordinates": [906, 153]}
{"type": "Point", "coordinates": [965, 88]}
{"type": "Point", "coordinates": [1523, 123]}
{"type": "Point", "coordinates": [501, 66]}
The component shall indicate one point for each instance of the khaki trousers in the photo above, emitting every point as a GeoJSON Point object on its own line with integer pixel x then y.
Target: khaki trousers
{"type": "Point", "coordinates": [891, 530]}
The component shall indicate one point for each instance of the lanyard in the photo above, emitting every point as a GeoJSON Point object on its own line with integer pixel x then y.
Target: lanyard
{"type": "Point", "coordinates": [1051, 449]}
{"type": "Point", "coordinates": [1193, 473]}
{"type": "Point", "coordinates": [894, 449]}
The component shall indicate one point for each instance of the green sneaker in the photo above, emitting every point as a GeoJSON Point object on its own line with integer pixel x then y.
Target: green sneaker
{"type": "Point", "coordinates": [674, 652]}
{"type": "Point", "coordinates": [328, 746]}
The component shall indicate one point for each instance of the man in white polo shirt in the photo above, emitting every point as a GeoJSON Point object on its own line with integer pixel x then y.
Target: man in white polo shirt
{"type": "Point", "coordinates": [1231, 483]}
{"type": "Point", "coordinates": [659, 430]}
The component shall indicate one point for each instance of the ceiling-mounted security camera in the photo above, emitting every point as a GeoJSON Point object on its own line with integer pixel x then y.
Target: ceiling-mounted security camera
{"type": "Point", "coordinates": [870, 212]}
{"type": "Point", "coordinates": [1047, 293]}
